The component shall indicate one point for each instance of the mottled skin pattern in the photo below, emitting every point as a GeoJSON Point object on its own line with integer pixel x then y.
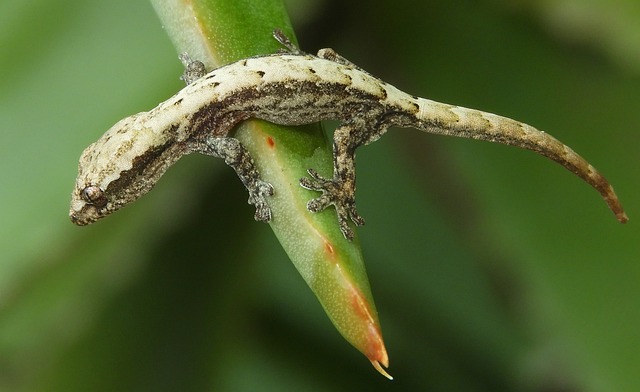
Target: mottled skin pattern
{"type": "Point", "coordinates": [290, 88]}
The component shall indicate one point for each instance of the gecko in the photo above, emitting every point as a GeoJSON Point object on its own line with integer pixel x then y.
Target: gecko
{"type": "Point", "coordinates": [290, 87]}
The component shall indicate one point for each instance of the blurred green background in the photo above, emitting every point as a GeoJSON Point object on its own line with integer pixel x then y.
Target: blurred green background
{"type": "Point", "coordinates": [493, 269]}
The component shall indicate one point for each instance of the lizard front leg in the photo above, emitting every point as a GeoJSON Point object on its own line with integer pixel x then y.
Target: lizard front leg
{"type": "Point", "coordinates": [236, 156]}
{"type": "Point", "coordinates": [232, 151]}
{"type": "Point", "coordinates": [339, 191]}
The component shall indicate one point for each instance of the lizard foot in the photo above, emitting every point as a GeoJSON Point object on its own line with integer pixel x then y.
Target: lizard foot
{"type": "Point", "coordinates": [334, 192]}
{"type": "Point", "coordinates": [258, 198]}
{"type": "Point", "coordinates": [193, 69]}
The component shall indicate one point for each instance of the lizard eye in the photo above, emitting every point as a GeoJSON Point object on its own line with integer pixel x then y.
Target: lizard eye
{"type": "Point", "coordinates": [94, 196]}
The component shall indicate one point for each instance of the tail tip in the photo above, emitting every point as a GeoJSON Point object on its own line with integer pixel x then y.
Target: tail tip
{"type": "Point", "coordinates": [622, 216]}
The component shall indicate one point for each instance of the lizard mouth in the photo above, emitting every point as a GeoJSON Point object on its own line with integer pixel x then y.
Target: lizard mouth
{"type": "Point", "coordinates": [84, 215]}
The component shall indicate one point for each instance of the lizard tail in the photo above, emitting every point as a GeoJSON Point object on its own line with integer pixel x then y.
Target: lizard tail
{"type": "Point", "coordinates": [438, 118]}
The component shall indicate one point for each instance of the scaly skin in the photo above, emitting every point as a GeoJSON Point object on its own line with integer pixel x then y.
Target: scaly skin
{"type": "Point", "coordinates": [291, 88]}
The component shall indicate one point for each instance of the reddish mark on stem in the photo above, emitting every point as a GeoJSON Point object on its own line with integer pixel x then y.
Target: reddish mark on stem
{"type": "Point", "coordinates": [271, 142]}
{"type": "Point", "coordinates": [329, 248]}
{"type": "Point", "coordinates": [359, 305]}
{"type": "Point", "coordinates": [374, 347]}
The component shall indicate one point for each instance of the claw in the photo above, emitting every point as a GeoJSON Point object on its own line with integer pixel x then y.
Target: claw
{"type": "Point", "coordinates": [355, 217]}
{"type": "Point", "coordinates": [314, 174]}
{"type": "Point", "coordinates": [265, 188]}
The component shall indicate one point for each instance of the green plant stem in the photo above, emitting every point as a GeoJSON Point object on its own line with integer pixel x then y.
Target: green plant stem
{"type": "Point", "coordinates": [222, 31]}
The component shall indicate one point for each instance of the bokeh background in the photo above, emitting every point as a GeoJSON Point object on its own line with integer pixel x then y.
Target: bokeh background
{"type": "Point", "coordinates": [493, 269]}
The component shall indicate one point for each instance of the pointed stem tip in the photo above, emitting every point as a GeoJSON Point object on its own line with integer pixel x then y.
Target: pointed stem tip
{"type": "Point", "coordinates": [381, 370]}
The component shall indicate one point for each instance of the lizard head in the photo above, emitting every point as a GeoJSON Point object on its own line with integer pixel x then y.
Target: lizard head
{"type": "Point", "coordinates": [118, 168]}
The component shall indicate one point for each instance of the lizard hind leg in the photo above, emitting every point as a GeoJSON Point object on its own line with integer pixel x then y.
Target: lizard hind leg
{"type": "Point", "coordinates": [193, 69]}
{"type": "Point", "coordinates": [332, 55]}
{"type": "Point", "coordinates": [338, 191]}
{"type": "Point", "coordinates": [289, 47]}
{"type": "Point", "coordinates": [326, 53]}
